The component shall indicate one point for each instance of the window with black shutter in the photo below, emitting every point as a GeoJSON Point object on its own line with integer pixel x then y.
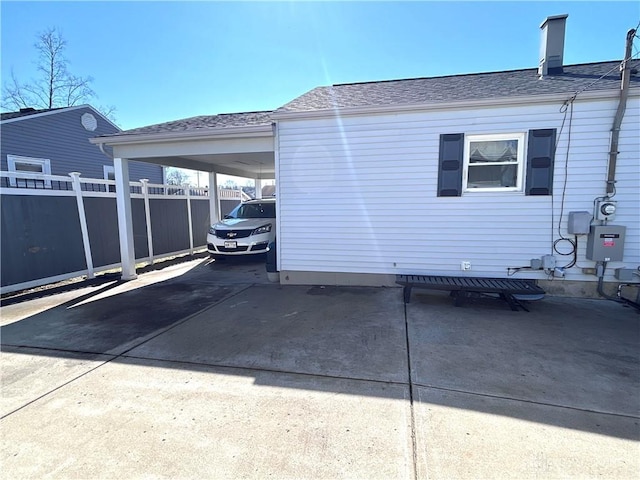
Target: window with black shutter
{"type": "Point", "coordinates": [450, 165]}
{"type": "Point", "coordinates": [540, 153]}
{"type": "Point", "coordinates": [496, 163]}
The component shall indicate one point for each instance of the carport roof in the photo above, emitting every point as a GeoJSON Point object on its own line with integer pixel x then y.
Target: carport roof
{"type": "Point", "coordinates": [202, 123]}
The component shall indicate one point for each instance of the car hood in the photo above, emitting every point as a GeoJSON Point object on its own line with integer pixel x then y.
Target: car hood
{"type": "Point", "coordinates": [243, 223]}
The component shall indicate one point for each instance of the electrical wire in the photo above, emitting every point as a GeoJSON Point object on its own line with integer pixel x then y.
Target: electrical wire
{"type": "Point", "coordinates": [573, 251]}
{"type": "Point", "coordinates": [567, 107]}
{"type": "Point", "coordinates": [563, 109]}
{"type": "Point", "coordinates": [566, 170]}
{"type": "Point", "coordinates": [587, 87]}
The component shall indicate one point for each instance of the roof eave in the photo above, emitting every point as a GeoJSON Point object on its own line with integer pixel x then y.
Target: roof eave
{"type": "Point", "coordinates": [435, 106]}
{"type": "Point", "coordinates": [224, 132]}
{"type": "Point", "coordinates": [58, 110]}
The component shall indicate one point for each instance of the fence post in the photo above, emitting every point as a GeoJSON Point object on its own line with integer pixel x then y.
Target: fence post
{"type": "Point", "coordinates": [188, 190]}
{"type": "Point", "coordinates": [77, 188]}
{"type": "Point", "coordinates": [147, 214]}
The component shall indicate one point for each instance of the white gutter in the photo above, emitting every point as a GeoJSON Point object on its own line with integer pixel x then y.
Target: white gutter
{"type": "Point", "coordinates": [460, 104]}
{"type": "Point", "coordinates": [200, 133]}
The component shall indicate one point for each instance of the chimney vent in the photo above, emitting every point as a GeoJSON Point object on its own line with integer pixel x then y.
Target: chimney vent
{"type": "Point", "coordinates": [552, 45]}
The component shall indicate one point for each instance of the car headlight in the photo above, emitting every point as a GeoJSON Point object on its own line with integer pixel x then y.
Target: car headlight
{"type": "Point", "coordinates": [263, 229]}
{"type": "Point", "coordinates": [212, 230]}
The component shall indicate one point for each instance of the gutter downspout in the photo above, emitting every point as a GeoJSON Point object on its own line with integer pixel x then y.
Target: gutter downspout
{"type": "Point", "coordinates": [101, 145]}
{"type": "Point", "coordinates": [617, 120]}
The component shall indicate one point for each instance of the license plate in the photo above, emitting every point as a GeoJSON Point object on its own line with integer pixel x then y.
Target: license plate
{"type": "Point", "coordinates": [230, 244]}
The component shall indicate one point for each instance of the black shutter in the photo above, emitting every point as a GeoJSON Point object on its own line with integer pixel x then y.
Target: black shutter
{"type": "Point", "coordinates": [540, 151]}
{"type": "Point", "coordinates": [450, 165]}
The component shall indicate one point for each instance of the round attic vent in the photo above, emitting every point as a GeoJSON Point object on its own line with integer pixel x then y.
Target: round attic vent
{"type": "Point", "coordinates": [89, 122]}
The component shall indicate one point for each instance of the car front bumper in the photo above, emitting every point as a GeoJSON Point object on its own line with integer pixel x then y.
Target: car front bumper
{"type": "Point", "coordinates": [252, 245]}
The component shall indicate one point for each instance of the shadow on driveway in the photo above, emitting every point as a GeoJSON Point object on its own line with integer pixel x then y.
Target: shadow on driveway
{"type": "Point", "coordinates": [568, 363]}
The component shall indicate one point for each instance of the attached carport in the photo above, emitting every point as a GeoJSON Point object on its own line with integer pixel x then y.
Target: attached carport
{"type": "Point", "coordinates": [239, 144]}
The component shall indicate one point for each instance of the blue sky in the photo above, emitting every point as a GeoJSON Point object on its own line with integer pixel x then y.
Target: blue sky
{"type": "Point", "coordinates": [161, 61]}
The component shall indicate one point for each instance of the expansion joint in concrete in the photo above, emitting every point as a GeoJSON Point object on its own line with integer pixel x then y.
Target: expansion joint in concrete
{"type": "Point", "coordinates": [414, 447]}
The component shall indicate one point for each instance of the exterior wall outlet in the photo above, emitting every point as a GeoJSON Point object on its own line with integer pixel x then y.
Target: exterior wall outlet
{"type": "Point", "coordinates": [465, 265]}
{"type": "Point", "coordinates": [536, 263]}
{"type": "Point", "coordinates": [548, 262]}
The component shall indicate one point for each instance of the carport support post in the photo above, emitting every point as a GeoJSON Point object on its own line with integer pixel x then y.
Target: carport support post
{"type": "Point", "coordinates": [258, 187]}
{"type": "Point", "coordinates": [214, 198]}
{"type": "Point", "coordinates": [189, 219]}
{"type": "Point", "coordinates": [125, 218]}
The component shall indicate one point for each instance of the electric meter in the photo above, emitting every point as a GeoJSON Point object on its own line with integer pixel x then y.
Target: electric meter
{"type": "Point", "coordinates": [605, 209]}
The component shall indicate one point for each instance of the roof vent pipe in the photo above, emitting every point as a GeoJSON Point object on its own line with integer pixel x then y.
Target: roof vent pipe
{"type": "Point", "coordinates": [552, 45]}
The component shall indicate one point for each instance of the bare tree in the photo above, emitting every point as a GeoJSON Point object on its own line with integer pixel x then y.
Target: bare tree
{"type": "Point", "coordinates": [178, 176]}
{"type": "Point", "coordinates": [55, 85]}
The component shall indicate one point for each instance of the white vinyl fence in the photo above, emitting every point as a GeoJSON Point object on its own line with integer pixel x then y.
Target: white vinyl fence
{"type": "Point", "coordinates": [59, 227]}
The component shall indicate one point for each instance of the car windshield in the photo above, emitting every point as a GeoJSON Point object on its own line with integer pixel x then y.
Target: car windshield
{"type": "Point", "coordinates": [254, 210]}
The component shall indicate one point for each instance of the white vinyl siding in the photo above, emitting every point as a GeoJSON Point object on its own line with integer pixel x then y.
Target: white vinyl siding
{"type": "Point", "coordinates": [357, 194]}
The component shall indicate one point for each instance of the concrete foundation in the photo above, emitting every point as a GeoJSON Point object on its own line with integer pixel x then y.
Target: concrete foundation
{"type": "Point", "coordinates": [557, 287]}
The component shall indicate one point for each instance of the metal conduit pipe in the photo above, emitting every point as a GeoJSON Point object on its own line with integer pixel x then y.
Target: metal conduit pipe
{"type": "Point", "coordinates": [600, 268]}
{"type": "Point", "coordinates": [617, 120]}
{"type": "Point", "coordinates": [635, 304]}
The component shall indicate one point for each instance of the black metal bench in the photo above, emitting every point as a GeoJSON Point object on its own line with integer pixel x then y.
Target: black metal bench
{"type": "Point", "coordinates": [461, 287]}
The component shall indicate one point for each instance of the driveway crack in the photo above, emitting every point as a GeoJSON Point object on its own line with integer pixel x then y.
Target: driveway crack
{"type": "Point", "coordinates": [414, 447]}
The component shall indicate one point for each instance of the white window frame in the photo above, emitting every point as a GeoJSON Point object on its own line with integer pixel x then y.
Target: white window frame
{"type": "Point", "coordinates": [519, 136]}
{"type": "Point", "coordinates": [44, 163]}
{"type": "Point", "coordinates": [106, 170]}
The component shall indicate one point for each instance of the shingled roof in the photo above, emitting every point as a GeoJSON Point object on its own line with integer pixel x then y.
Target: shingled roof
{"type": "Point", "coordinates": [204, 122]}
{"type": "Point", "coordinates": [416, 91]}
{"type": "Point", "coordinates": [477, 86]}
{"type": "Point", "coordinates": [25, 112]}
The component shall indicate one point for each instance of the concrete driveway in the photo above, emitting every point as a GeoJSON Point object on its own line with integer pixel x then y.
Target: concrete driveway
{"type": "Point", "coordinates": [206, 370]}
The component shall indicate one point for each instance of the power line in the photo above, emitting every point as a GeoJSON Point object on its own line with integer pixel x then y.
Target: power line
{"type": "Point", "coordinates": [617, 67]}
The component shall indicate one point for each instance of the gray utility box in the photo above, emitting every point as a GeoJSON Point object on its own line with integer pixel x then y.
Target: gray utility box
{"type": "Point", "coordinates": [579, 223]}
{"type": "Point", "coordinates": [605, 243]}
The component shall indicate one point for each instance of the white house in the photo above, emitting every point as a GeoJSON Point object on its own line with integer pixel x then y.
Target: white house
{"type": "Point", "coordinates": [470, 175]}
{"type": "Point", "coordinates": [463, 175]}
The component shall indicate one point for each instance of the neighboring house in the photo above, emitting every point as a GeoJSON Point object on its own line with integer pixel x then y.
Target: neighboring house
{"type": "Point", "coordinates": [473, 174]}
{"type": "Point", "coordinates": [56, 141]}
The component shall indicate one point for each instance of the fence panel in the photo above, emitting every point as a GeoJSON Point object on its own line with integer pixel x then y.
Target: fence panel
{"type": "Point", "coordinates": [102, 223]}
{"type": "Point", "coordinates": [200, 220]}
{"type": "Point", "coordinates": [41, 238]}
{"type": "Point", "coordinates": [170, 228]}
{"type": "Point", "coordinates": [140, 245]}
